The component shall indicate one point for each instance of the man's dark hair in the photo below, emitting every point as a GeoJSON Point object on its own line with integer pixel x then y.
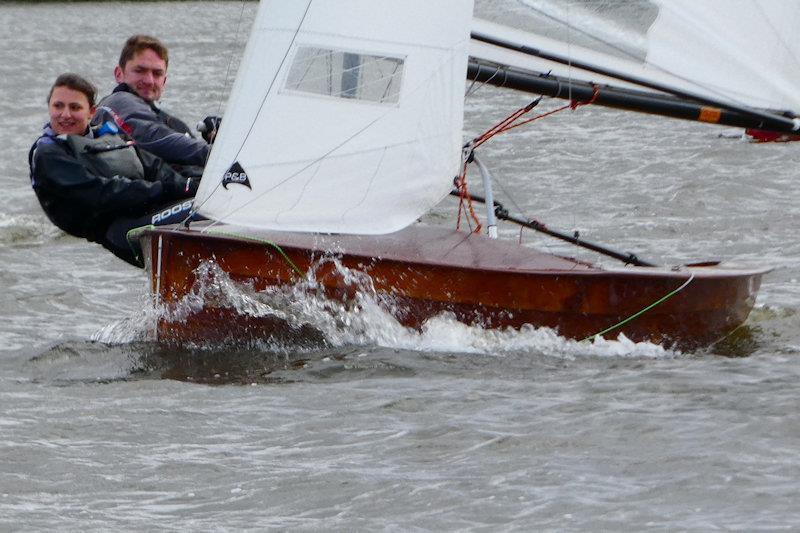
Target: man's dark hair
{"type": "Point", "coordinates": [76, 83]}
{"type": "Point", "coordinates": [138, 43]}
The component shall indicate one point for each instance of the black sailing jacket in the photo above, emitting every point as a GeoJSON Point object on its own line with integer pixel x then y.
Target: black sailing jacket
{"type": "Point", "coordinates": [154, 130]}
{"type": "Point", "coordinates": [83, 203]}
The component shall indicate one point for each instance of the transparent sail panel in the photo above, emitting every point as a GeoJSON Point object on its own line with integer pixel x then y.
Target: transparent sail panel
{"type": "Point", "coordinates": [343, 74]}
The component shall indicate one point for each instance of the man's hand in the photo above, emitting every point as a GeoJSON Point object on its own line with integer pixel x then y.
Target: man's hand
{"type": "Point", "coordinates": [208, 128]}
{"type": "Point", "coordinates": [179, 187]}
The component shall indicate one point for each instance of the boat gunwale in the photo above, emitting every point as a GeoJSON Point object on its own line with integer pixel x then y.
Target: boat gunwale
{"type": "Point", "coordinates": [682, 272]}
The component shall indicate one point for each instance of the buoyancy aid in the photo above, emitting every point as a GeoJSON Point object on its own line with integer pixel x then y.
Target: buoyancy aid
{"type": "Point", "coordinates": [109, 155]}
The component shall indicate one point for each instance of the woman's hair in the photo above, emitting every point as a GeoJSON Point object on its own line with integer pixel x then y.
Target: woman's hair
{"type": "Point", "coordinates": [76, 83]}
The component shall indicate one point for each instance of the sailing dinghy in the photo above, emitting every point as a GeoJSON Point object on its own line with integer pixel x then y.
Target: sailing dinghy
{"type": "Point", "coordinates": [340, 132]}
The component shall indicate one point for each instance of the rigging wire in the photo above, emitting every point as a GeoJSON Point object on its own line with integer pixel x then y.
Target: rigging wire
{"type": "Point", "coordinates": [569, 52]}
{"type": "Point", "coordinates": [260, 108]}
{"type": "Point", "coordinates": [230, 59]}
{"type": "Point", "coordinates": [470, 92]}
{"type": "Point", "coordinates": [225, 85]}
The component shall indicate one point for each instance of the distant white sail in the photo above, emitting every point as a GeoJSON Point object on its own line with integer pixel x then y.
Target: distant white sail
{"type": "Point", "coordinates": [566, 49]}
{"type": "Point", "coordinates": [745, 52]}
{"type": "Point", "coordinates": [345, 117]}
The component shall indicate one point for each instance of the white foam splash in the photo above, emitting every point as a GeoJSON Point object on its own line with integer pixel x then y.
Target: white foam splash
{"type": "Point", "coordinates": [445, 333]}
{"type": "Point", "coordinates": [365, 318]}
{"type": "Point", "coordinates": [139, 327]}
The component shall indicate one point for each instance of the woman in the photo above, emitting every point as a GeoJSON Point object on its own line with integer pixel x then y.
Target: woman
{"type": "Point", "coordinates": [98, 186]}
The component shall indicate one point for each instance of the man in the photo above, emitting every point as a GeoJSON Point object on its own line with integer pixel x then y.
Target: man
{"type": "Point", "coordinates": [141, 75]}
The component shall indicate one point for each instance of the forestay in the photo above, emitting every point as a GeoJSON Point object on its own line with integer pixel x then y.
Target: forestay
{"type": "Point", "coordinates": [744, 52]}
{"type": "Point", "coordinates": [345, 117]}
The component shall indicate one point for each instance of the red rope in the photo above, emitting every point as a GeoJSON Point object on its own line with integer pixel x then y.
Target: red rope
{"type": "Point", "coordinates": [504, 125]}
{"type": "Point", "coordinates": [574, 104]}
{"type": "Point", "coordinates": [508, 123]}
{"type": "Point", "coordinates": [500, 126]}
{"type": "Point", "coordinates": [464, 196]}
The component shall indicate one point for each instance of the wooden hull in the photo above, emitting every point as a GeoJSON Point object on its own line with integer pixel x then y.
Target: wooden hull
{"type": "Point", "coordinates": [425, 271]}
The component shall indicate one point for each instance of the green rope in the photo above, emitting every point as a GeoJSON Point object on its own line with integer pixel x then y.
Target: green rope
{"type": "Point", "coordinates": [261, 241]}
{"type": "Point", "coordinates": [135, 232]}
{"type": "Point", "coordinates": [643, 311]}
{"type": "Point", "coordinates": [133, 236]}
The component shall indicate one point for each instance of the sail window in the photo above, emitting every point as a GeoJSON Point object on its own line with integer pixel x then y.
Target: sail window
{"type": "Point", "coordinates": [342, 74]}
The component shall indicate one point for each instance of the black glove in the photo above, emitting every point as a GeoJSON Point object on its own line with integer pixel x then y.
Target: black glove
{"type": "Point", "coordinates": [178, 187]}
{"type": "Point", "coordinates": [208, 128]}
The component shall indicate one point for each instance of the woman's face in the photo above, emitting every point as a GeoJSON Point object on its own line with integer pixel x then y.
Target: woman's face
{"type": "Point", "coordinates": [70, 111]}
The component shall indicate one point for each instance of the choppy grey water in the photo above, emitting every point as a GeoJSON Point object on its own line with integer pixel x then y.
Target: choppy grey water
{"type": "Point", "coordinates": [378, 427]}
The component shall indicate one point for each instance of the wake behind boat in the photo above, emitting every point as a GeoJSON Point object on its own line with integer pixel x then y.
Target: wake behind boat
{"type": "Point", "coordinates": [340, 133]}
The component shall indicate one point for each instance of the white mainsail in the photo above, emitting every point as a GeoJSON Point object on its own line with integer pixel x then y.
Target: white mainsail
{"type": "Point", "coordinates": [745, 52]}
{"type": "Point", "coordinates": [345, 117]}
